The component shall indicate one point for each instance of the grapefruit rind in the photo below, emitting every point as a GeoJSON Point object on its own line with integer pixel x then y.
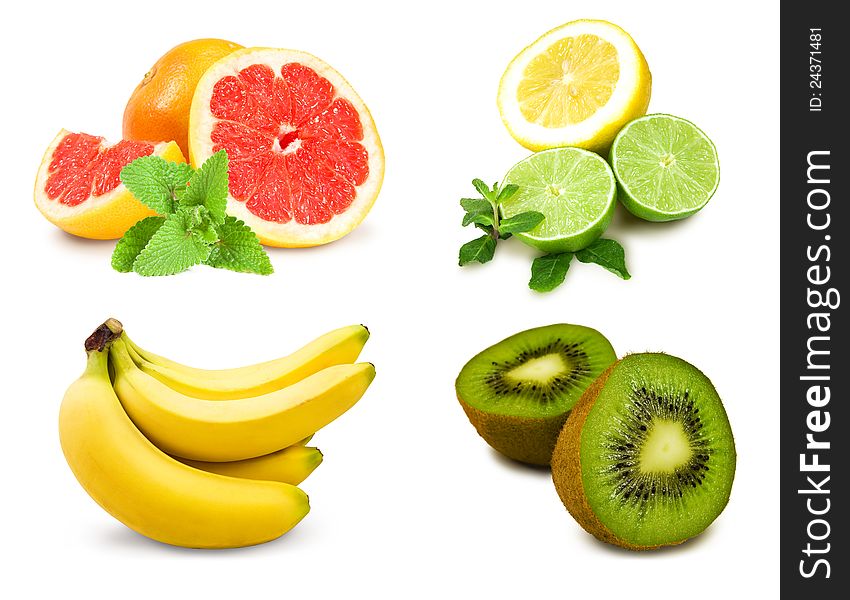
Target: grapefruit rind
{"type": "Point", "coordinates": [104, 217]}
{"type": "Point", "coordinates": [289, 234]}
{"type": "Point", "coordinates": [158, 109]}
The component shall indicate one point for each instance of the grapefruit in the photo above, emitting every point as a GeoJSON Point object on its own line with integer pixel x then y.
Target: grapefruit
{"type": "Point", "coordinates": [306, 162]}
{"type": "Point", "coordinates": [159, 107]}
{"type": "Point", "coordinates": [78, 188]}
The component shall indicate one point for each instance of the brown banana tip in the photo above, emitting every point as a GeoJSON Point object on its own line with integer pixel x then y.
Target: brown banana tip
{"type": "Point", "coordinates": [102, 337]}
{"type": "Point", "coordinates": [366, 328]}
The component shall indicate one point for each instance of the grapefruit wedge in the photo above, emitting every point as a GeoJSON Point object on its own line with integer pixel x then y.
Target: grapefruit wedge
{"type": "Point", "coordinates": [78, 188]}
{"type": "Point", "coordinates": [306, 162]}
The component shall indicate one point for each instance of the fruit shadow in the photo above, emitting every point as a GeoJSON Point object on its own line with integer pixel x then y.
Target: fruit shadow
{"type": "Point", "coordinates": [125, 539]}
{"type": "Point", "coordinates": [362, 234]}
{"type": "Point", "coordinates": [625, 223]}
{"type": "Point", "coordinates": [623, 226]}
{"type": "Point", "coordinates": [520, 467]}
{"type": "Point", "coordinates": [79, 243]}
{"type": "Point", "coordinates": [687, 546]}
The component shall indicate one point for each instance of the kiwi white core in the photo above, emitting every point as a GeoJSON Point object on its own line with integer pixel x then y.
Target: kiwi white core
{"type": "Point", "coordinates": [666, 448]}
{"type": "Point", "coordinates": [542, 369]}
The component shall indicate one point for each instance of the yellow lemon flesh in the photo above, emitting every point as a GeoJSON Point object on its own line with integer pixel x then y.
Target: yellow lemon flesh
{"type": "Point", "coordinates": [577, 85]}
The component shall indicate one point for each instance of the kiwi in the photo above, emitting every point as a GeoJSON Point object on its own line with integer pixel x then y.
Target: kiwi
{"type": "Point", "coordinates": [519, 392]}
{"type": "Point", "coordinates": [647, 457]}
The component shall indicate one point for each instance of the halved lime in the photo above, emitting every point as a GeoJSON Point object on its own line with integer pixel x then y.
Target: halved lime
{"type": "Point", "coordinates": [573, 188]}
{"type": "Point", "coordinates": [666, 166]}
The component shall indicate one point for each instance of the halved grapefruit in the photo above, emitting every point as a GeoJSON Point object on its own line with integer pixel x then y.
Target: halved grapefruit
{"type": "Point", "coordinates": [78, 188]}
{"type": "Point", "coordinates": [306, 162]}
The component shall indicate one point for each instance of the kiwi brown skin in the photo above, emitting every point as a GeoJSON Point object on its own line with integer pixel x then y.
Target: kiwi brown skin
{"type": "Point", "coordinates": [528, 440]}
{"type": "Point", "coordinates": [566, 469]}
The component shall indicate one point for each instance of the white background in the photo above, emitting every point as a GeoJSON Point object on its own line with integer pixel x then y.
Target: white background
{"type": "Point", "coordinates": [409, 502]}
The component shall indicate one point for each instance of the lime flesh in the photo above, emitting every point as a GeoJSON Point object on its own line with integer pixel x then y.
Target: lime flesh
{"type": "Point", "coordinates": [666, 167]}
{"type": "Point", "coordinates": [573, 188]}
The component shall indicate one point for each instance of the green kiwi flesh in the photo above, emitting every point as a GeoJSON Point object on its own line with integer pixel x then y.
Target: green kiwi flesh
{"type": "Point", "coordinates": [519, 392]}
{"type": "Point", "coordinates": [647, 457]}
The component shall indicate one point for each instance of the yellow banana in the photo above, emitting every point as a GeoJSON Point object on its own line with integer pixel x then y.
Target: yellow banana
{"type": "Point", "coordinates": [291, 465]}
{"type": "Point", "coordinates": [216, 430]}
{"type": "Point", "coordinates": [337, 347]}
{"type": "Point", "coordinates": [151, 492]}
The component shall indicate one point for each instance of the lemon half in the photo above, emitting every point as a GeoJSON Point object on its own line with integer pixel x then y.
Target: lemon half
{"type": "Point", "coordinates": [577, 85]}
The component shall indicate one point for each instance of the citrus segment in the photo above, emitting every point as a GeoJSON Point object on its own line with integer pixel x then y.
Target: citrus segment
{"type": "Point", "coordinates": [78, 186]}
{"type": "Point", "coordinates": [305, 159]}
{"type": "Point", "coordinates": [569, 81]}
{"type": "Point", "coordinates": [573, 188]}
{"type": "Point", "coordinates": [666, 166]}
{"type": "Point", "coordinates": [576, 85]}
{"type": "Point", "coordinates": [81, 167]}
{"type": "Point", "coordinates": [158, 108]}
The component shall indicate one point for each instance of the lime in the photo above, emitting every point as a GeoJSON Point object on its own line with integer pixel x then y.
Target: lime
{"type": "Point", "coordinates": [666, 166]}
{"type": "Point", "coordinates": [573, 188]}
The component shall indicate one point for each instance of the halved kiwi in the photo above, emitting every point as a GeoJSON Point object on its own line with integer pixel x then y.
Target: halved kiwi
{"type": "Point", "coordinates": [519, 392]}
{"type": "Point", "coordinates": [647, 457]}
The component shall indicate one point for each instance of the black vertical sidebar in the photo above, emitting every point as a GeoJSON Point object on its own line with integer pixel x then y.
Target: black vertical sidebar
{"type": "Point", "coordinates": [814, 333]}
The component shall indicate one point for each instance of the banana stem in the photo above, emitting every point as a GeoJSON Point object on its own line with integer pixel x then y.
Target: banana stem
{"type": "Point", "coordinates": [121, 359]}
{"type": "Point", "coordinates": [96, 363]}
{"type": "Point", "coordinates": [103, 336]}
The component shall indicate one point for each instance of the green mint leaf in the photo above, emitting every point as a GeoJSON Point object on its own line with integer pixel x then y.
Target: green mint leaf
{"type": "Point", "coordinates": [486, 228]}
{"type": "Point", "coordinates": [207, 232]}
{"type": "Point", "coordinates": [172, 249]}
{"type": "Point", "coordinates": [134, 241]}
{"type": "Point", "coordinates": [475, 208]}
{"type": "Point", "coordinates": [238, 249]}
{"type": "Point", "coordinates": [608, 254]}
{"type": "Point", "coordinates": [478, 250]}
{"type": "Point", "coordinates": [208, 187]}
{"type": "Point", "coordinates": [483, 189]}
{"type": "Point", "coordinates": [476, 205]}
{"type": "Point", "coordinates": [504, 236]}
{"type": "Point", "coordinates": [548, 271]}
{"type": "Point", "coordinates": [194, 216]}
{"type": "Point", "coordinates": [485, 218]}
{"type": "Point", "coordinates": [525, 221]}
{"type": "Point", "coordinates": [156, 182]}
{"type": "Point", "coordinates": [507, 192]}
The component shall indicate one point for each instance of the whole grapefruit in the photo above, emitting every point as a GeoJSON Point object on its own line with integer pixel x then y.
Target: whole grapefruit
{"type": "Point", "coordinates": [158, 109]}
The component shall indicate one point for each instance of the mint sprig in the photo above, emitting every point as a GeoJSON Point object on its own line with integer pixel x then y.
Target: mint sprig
{"type": "Point", "coordinates": [193, 228]}
{"type": "Point", "coordinates": [484, 213]}
{"type": "Point", "coordinates": [156, 182]}
{"type": "Point", "coordinates": [548, 271]}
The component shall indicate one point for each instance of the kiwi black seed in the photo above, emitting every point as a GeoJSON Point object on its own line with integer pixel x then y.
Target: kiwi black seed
{"type": "Point", "coordinates": [519, 392]}
{"type": "Point", "coordinates": [647, 457]}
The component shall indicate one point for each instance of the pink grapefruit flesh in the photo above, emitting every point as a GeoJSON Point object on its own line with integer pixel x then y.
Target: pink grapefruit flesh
{"type": "Point", "coordinates": [82, 167]}
{"type": "Point", "coordinates": [78, 186]}
{"type": "Point", "coordinates": [305, 158]}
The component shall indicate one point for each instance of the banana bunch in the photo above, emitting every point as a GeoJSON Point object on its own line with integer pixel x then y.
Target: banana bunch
{"type": "Point", "coordinates": [205, 458]}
